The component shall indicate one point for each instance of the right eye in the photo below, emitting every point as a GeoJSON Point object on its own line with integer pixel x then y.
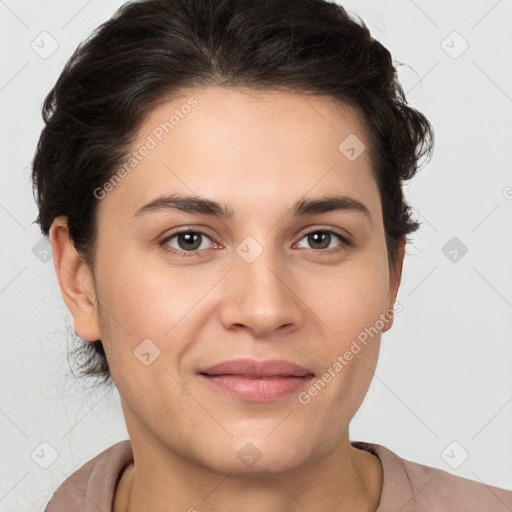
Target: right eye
{"type": "Point", "coordinates": [186, 242]}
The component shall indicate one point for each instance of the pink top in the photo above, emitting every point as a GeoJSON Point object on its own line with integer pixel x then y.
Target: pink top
{"type": "Point", "coordinates": [407, 486]}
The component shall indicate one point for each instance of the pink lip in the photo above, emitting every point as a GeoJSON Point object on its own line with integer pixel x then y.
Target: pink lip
{"type": "Point", "coordinates": [257, 381]}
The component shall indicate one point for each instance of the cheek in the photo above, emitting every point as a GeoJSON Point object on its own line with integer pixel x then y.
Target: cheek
{"type": "Point", "coordinates": [147, 299]}
{"type": "Point", "coordinates": [350, 303]}
{"type": "Point", "coordinates": [348, 300]}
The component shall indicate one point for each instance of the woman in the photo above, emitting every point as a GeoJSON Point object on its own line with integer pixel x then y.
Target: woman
{"type": "Point", "coordinates": [221, 184]}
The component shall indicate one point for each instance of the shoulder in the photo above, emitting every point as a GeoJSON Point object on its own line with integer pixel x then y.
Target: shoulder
{"type": "Point", "coordinates": [436, 489]}
{"type": "Point", "coordinates": [93, 484]}
{"type": "Point", "coordinates": [412, 487]}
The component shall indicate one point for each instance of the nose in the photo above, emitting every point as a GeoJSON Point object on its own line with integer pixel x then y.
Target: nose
{"type": "Point", "coordinates": [261, 296]}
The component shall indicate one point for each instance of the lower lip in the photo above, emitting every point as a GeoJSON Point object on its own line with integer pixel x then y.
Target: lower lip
{"type": "Point", "coordinates": [257, 390]}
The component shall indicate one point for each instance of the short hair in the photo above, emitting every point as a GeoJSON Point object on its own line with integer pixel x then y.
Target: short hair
{"type": "Point", "coordinates": [150, 51]}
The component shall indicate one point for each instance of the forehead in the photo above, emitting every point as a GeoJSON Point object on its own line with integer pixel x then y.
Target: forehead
{"type": "Point", "coordinates": [222, 120]}
{"type": "Point", "coordinates": [257, 112]}
{"type": "Point", "coordinates": [249, 146]}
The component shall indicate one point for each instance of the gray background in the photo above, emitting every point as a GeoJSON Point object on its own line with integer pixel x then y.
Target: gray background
{"type": "Point", "coordinates": [443, 386]}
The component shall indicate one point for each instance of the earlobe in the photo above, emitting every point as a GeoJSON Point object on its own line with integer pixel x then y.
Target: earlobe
{"type": "Point", "coordinates": [394, 283]}
{"type": "Point", "coordinates": [75, 281]}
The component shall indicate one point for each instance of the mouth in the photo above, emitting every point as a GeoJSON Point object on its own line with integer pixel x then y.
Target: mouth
{"type": "Point", "coordinates": [257, 381]}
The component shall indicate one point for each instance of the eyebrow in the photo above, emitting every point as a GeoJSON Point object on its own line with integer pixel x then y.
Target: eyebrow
{"type": "Point", "coordinates": [197, 205]}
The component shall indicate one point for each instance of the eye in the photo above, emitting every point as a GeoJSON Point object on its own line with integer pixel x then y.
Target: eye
{"type": "Point", "coordinates": [188, 242]}
{"type": "Point", "coordinates": [185, 242]}
{"type": "Point", "coordinates": [321, 239]}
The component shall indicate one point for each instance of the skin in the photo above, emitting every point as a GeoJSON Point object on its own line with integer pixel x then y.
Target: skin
{"type": "Point", "coordinates": [259, 153]}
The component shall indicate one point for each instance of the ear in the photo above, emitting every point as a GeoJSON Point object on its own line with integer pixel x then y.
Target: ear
{"type": "Point", "coordinates": [75, 281]}
{"type": "Point", "coordinates": [395, 276]}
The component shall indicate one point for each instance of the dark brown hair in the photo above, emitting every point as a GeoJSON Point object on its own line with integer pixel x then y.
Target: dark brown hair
{"type": "Point", "coordinates": [151, 50]}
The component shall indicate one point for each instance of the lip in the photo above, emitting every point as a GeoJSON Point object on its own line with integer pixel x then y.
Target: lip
{"type": "Point", "coordinates": [257, 381]}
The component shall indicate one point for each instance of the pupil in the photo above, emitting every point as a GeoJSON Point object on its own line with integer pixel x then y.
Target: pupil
{"type": "Point", "coordinates": [191, 241]}
{"type": "Point", "coordinates": [314, 238]}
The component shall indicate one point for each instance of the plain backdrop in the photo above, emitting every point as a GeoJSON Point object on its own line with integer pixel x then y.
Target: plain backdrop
{"type": "Point", "coordinates": [442, 393]}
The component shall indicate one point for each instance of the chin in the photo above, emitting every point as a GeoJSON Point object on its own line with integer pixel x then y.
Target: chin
{"type": "Point", "coordinates": [276, 464]}
{"type": "Point", "coordinates": [258, 456]}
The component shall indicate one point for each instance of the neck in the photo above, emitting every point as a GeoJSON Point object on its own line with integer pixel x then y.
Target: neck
{"type": "Point", "coordinates": [346, 479]}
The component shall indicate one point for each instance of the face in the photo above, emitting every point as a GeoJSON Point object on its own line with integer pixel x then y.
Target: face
{"type": "Point", "coordinates": [182, 287]}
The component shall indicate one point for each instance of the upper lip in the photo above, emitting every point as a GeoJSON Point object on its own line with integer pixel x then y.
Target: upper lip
{"type": "Point", "coordinates": [252, 368]}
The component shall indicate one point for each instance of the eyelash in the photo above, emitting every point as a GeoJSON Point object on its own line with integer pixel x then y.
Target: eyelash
{"type": "Point", "coordinates": [187, 254]}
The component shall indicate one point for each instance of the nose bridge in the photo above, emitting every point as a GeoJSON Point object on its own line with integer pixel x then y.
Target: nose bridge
{"type": "Point", "coordinates": [260, 297]}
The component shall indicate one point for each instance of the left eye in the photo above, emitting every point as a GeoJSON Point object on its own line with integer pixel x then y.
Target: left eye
{"type": "Point", "coordinates": [323, 238]}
